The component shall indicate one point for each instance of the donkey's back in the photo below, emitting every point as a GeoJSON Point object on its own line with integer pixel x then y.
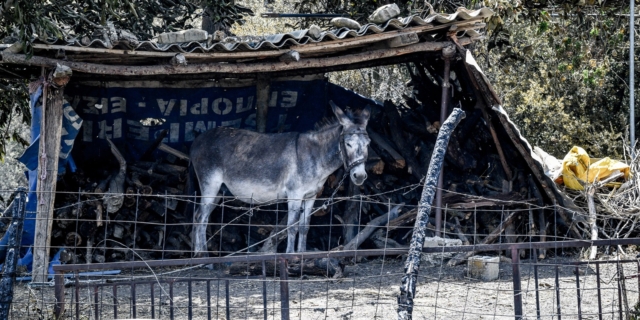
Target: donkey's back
{"type": "Point", "coordinates": [252, 165]}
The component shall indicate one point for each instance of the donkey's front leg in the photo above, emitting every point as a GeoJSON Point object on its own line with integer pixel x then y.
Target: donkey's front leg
{"type": "Point", "coordinates": [295, 206]}
{"type": "Point", "coordinates": [305, 221]}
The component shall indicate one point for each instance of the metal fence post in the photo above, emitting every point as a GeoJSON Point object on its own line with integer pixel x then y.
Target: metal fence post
{"type": "Point", "coordinates": [13, 252]}
{"type": "Point", "coordinates": [284, 288]}
{"type": "Point", "coordinates": [517, 290]}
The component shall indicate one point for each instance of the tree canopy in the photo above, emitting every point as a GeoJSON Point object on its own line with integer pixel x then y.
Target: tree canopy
{"type": "Point", "coordinates": [561, 67]}
{"type": "Point", "coordinates": [25, 20]}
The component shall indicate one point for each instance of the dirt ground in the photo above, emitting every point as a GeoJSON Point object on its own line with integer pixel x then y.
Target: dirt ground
{"type": "Point", "coordinates": [367, 291]}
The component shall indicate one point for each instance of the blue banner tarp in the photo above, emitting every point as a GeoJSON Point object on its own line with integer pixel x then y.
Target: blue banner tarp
{"type": "Point", "coordinates": [124, 112]}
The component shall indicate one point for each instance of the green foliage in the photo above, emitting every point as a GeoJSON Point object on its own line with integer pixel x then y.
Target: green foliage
{"type": "Point", "coordinates": [16, 101]}
{"type": "Point", "coordinates": [570, 90]}
{"type": "Point", "coordinates": [226, 12]}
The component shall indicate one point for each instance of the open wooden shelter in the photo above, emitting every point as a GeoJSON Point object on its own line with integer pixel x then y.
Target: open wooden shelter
{"type": "Point", "coordinates": [434, 47]}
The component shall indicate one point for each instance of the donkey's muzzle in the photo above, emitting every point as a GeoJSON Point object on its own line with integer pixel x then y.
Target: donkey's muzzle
{"type": "Point", "coordinates": [358, 178]}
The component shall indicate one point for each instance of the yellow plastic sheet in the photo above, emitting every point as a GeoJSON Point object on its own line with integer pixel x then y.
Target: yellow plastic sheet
{"type": "Point", "coordinates": [577, 166]}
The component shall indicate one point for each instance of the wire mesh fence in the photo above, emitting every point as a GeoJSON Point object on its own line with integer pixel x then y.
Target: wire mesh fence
{"type": "Point", "coordinates": [138, 262]}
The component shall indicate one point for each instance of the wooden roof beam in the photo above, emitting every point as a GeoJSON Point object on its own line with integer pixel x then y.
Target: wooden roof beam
{"type": "Point", "coordinates": [233, 68]}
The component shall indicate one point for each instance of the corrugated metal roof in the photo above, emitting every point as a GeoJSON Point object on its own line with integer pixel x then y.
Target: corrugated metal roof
{"type": "Point", "coordinates": [293, 38]}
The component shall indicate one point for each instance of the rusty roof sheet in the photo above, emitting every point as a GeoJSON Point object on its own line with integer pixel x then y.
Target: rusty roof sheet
{"type": "Point", "coordinates": [284, 40]}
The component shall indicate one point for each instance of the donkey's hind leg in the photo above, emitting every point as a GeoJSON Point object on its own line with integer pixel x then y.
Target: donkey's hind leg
{"type": "Point", "coordinates": [201, 217]}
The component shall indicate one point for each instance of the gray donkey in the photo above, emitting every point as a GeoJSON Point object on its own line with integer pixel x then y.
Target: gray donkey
{"type": "Point", "coordinates": [261, 168]}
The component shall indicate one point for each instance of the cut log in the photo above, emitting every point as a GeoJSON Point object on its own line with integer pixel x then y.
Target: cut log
{"type": "Point", "coordinates": [374, 163]}
{"type": "Point", "coordinates": [115, 196]}
{"type": "Point", "coordinates": [147, 153]}
{"type": "Point", "coordinates": [495, 234]}
{"type": "Point", "coordinates": [275, 237]}
{"type": "Point", "coordinates": [372, 226]}
{"type": "Point", "coordinates": [458, 230]}
{"type": "Point", "coordinates": [406, 150]}
{"type": "Point", "coordinates": [325, 267]}
{"type": "Point", "coordinates": [172, 151]}
{"type": "Point", "coordinates": [163, 168]}
{"type": "Point", "coordinates": [382, 242]}
{"type": "Point", "coordinates": [398, 161]}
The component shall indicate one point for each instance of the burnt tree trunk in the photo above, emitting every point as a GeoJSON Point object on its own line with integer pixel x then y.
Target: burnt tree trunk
{"type": "Point", "coordinates": [412, 265]}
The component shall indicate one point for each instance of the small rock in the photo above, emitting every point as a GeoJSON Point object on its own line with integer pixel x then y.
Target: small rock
{"type": "Point", "coordinates": [129, 37]}
{"type": "Point", "coordinates": [315, 32]}
{"type": "Point", "coordinates": [219, 35]}
{"type": "Point", "coordinates": [384, 13]}
{"type": "Point", "coordinates": [178, 60]}
{"type": "Point", "coordinates": [291, 56]}
{"type": "Point", "coordinates": [345, 23]}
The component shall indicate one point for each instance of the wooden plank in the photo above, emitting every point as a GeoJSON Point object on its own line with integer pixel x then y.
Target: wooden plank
{"type": "Point", "coordinates": [51, 132]}
{"type": "Point", "coordinates": [237, 68]}
{"type": "Point", "coordinates": [263, 88]}
{"type": "Point", "coordinates": [169, 150]}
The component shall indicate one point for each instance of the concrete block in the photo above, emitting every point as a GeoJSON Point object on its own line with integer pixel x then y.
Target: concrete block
{"type": "Point", "coordinates": [483, 267]}
{"type": "Point", "coordinates": [183, 36]}
{"type": "Point", "coordinates": [438, 258]}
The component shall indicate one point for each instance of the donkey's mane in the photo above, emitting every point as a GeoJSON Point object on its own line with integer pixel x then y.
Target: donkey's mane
{"type": "Point", "coordinates": [327, 123]}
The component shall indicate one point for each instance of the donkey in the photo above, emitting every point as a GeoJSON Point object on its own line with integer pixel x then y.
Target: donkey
{"type": "Point", "coordinates": [262, 168]}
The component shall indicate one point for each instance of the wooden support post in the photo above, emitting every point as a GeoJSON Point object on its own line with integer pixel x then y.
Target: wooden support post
{"type": "Point", "coordinates": [412, 265]}
{"type": "Point", "coordinates": [447, 54]}
{"type": "Point", "coordinates": [592, 219]}
{"type": "Point", "coordinates": [494, 136]}
{"type": "Point", "coordinates": [263, 88]}
{"type": "Point", "coordinates": [50, 133]}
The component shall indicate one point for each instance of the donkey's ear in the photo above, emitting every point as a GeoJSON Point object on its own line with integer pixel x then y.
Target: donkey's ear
{"type": "Point", "coordinates": [342, 118]}
{"type": "Point", "coordinates": [365, 114]}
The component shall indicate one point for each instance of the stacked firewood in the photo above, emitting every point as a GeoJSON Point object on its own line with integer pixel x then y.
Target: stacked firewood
{"type": "Point", "coordinates": [487, 193]}
{"type": "Point", "coordinates": [133, 207]}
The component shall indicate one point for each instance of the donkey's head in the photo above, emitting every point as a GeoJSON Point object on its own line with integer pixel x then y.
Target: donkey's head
{"type": "Point", "coordinates": [354, 141]}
